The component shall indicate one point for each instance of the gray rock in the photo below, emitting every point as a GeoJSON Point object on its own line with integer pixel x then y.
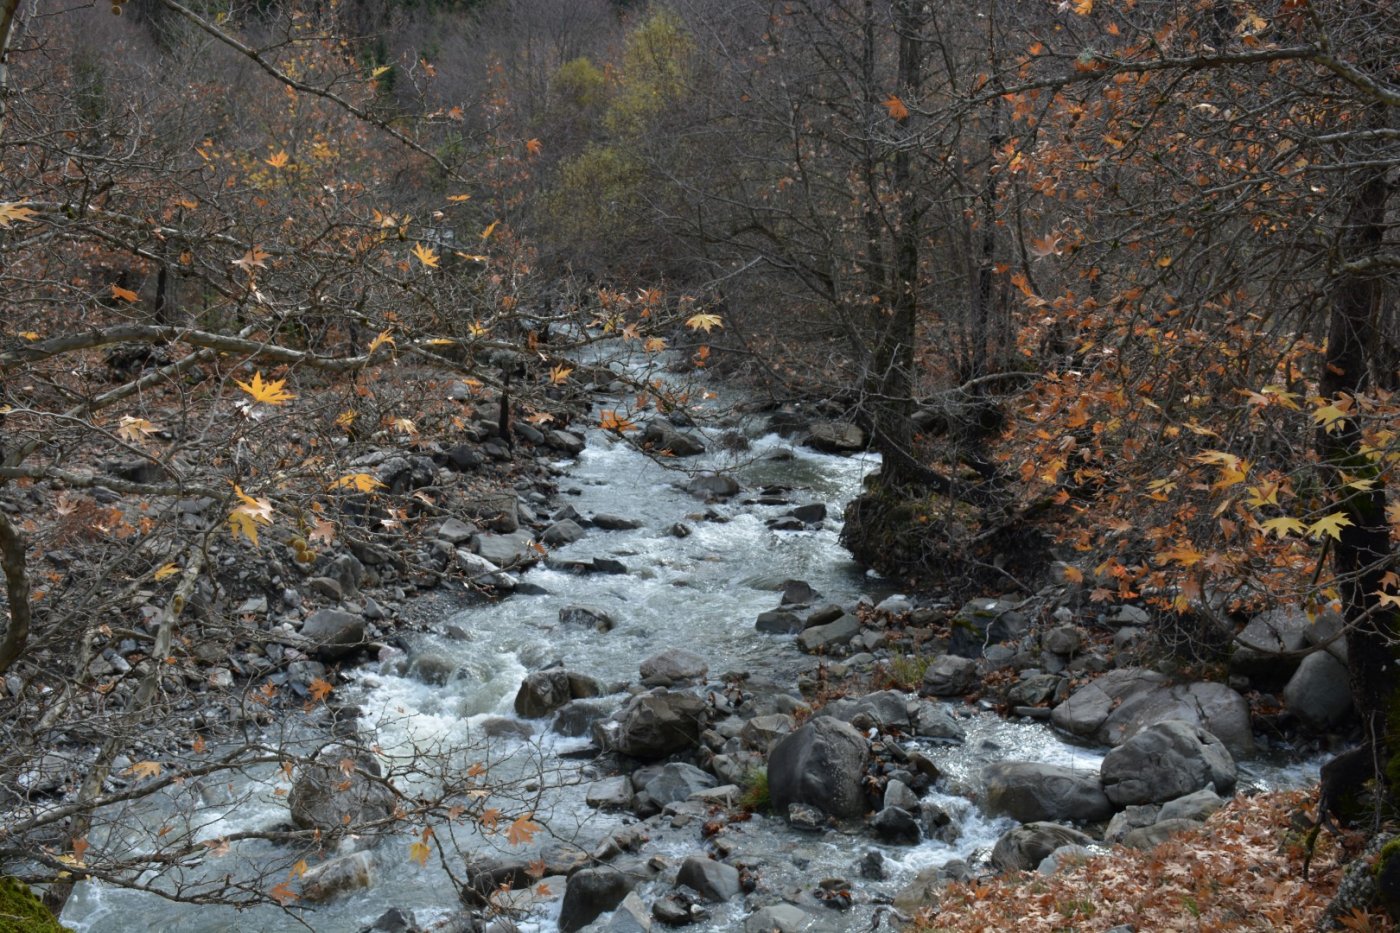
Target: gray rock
{"type": "Point", "coordinates": [821, 765]}
{"type": "Point", "coordinates": [662, 436]}
{"type": "Point", "coordinates": [326, 588]}
{"type": "Point", "coordinates": [809, 514]}
{"type": "Point", "coordinates": [324, 797]}
{"type": "Point", "coordinates": [334, 633]}
{"type": "Point", "coordinates": [1129, 819]}
{"type": "Point", "coordinates": [673, 666]}
{"type": "Point", "coordinates": [566, 441]}
{"type": "Point", "coordinates": [1214, 707]}
{"type": "Point", "coordinates": [1035, 689]}
{"type": "Point", "coordinates": [334, 876]}
{"type": "Point", "coordinates": [543, 692]}
{"type": "Point", "coordinates": [982, 622]}
{"type": "Point", "coordinates": [562, 533]}
{"type": "Point", "coordinates": [587, 617]}
{"type": "Point", "coordinates": [613, 793]}
{"type": "Point", "coordinates": [713, 486]}
{"type": "Point", "coordinates": [481, 571]}
{"type": "Point", "coordinates": [592, 892]}
{"type": "Point", "coordinates": [1025, 847]}
{"type": "Point", "coordinates": [895, 826]}
{"type": "Point", "coordinates": [822, 637]}
{"type": "Point", "coordinates": [1196, 806]}
{"type": "Point", "coordinates": [1063, 857]}
{"type": "Point", "coordinates": [1149, 837]}
{"type": "Point", "coordinates": [1259, 645]}
{"type": "Point", "coordinates": [899, 794]}
{"type": "Point", "coordinates": [507, 550]}
{"type": "Point", "coordinates": [886, 709]}
{"type": "Point", "coordinates": [785, 918]}
{"type": "Point", "coordinates": [578, 717]}
{"type": "Point", "coordinates": [654, 725]}
{"type": "Point", "coordinates": [1031, 792]}
{"type": "Point", "coordinates": [1063, 640]}
{"type": "Point", "coordinates": [837, 437]}
{"type": "Point", "coordinates": [670, 783]}
{"type": "Point", "coordinates": [934, 721]}
{"type": "Point", "coordinates": [778, 622]}
{"type": "Point", "coordinates": [761, 732]}
{"type": "Point", "coordinates": [714, 881]}
{"type": "Point", "coordinates": [455, 531]}
{"type": "Point", "coordinates": [609, 522]}
{"type": "Point", "coordinates": [1166, 761]}
{"type": "Point", "coordinates": [1319, 692]}
{"type": "Point", "coordinates": [1328, 632]}
{"type": "Point", "coordinates": [630, 916]}
{"type": "Point", "coordinates": [949, 676]}
{"type": "Point", "coordinates": [349, 572]}
{"type": "Point", "coordinates": [497, 511]}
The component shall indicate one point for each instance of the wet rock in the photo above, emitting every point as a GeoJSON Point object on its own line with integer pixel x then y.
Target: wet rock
{"type": "Point", "coordinates": [347, 873]}
{"type": "Point", "coordinates": [797, 592]}
{"type": "Point", "coordinates": [1031, 792]}
{"type": "Point", "coordinates": [1197, 806]}
{"type": "Point", "coordinates": [614, 522]}
{"type": "Point", "coordinates": [899, 794]}
{"type": "Point", "coordinates": [578, 717]}
{"type": "Point", "coordinates": [497, 727]}
{"type": "Point", "coordinates": [455, 531]}
{"type": "Point", "coordinates": [662, 436]}
{"type": "Point", "coordinates": [542, 692]}
{"type": "Point", "coordinates": [872, 865]}
{"type": "Point", "coordinates": [614, 793]}
{"type": "Point", "coordinates": [805, 818]}
{"type": "Point", "coordinates": [334, 633]}
{"type": "Point", "coordinates": [566, 441]}
{"type": "Point", "coordinates": [679, 909]}
{"type": "Point", "coordinates": [982, 622]}
{"type": "Point", "coordinates": [950, 676]}
{"type": "Point", "coordinates": [1025, 847]}
{"type": "Point", "coordinates": [1319, 693]}
{"type": "Point", "coordinates": [786, 918]}
{"type": "Point", "coordinates": [669, 783]}
{"type": "Point", "coordinates": [934, 721]}
{"type": "Point", "coordinates": [1149, 837]}
{"type": "Point", "coordinates": [497, 511]}
{"type": "Point", "coordinates": [587, 617]}
{"type": "Point", "coordinates": [810, 514]}
{"type": "Point", "coordinates": [1261, 648]}
{"type": "Point", "coordinates": [673, 666]}
{"type": "Point", "coordinates": [561, 533]}
{"type": "Point", "coordinates": [592, 892]}
{"type": "Point", "coordinates": [1166, 761]}
{"type": "Point", "coordinates": [820, 765]}
{"type": "Point", "coordinates": [824, 637]}
{"type": "Point", "coordinates": [779, 622]}
{"type": "Point", "coordinates": [713, 486]}
{"type": "Point", "coordinates": [1035, 689]}
{"type": "Point", "coordinates": [714, 881]}
{"type": "Point", "coordinates": [653, 725]}
{"type": "Point", "coordinates": [630, 916]}
{"type": "Point", "coordinates": [835, 437]}
{"type": "Point", "coordinates": [482, 572]}
{"type": "Point", "coordinates": [1121, 703]}
{"type": "Point", "coordinates": [896, 826]}
{"type": "Point", "coordinates": [761, 732]}
{"type": "Point", "coordinates": [433, 669]}
{"type": "Point", "coordinates": [507, 550]}
{"type": "Point", "coordinates": [327, 798]}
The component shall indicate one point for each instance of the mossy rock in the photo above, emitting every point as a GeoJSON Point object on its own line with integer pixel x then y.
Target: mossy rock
{"type": "Point", "coordinates": [21, 911]}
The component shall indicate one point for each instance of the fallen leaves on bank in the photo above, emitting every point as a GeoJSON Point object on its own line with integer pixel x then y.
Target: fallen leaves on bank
{"type": "Point", "coordinates": [1241, 872]}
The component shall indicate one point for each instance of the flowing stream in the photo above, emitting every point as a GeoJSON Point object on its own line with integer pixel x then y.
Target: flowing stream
{"type": "Point", "coordinates": [701, 592]}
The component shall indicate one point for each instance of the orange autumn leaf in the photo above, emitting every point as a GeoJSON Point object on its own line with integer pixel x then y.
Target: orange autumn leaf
{"type": "Point", "coordinates": [895, 107]}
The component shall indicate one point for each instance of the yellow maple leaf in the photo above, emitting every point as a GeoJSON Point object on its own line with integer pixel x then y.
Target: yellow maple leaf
{"type": "Point", "coordinates": [489, 230]}
{"type": "Point", "coordinates": [382, 69]}
{"type": "Point", "coordinates": [14, 212]}
{"type": "Point", "coordinates": [169, 570]}
{"type": "Point", "coordinates": [269, 393]}
{"type": "Point", "coordinates": [610, 420]}
{"type": "Point", "coordinates": [458, 198]}
{"type": "Point", "coordinates": [522, 829]}
{"type": "Point", "coordinates": [248, 515]}
{"type": "Point", "coordinates": [558, 374]}
{"type": "Point", "coordinates": [654, 344]}
{"type": "Point", "coordinates": [279, 160]}
{"type": "Point", "coordinates": [1283, 526]}
{"type": "Point", "coordinates": [426, 255]}
{"type": "Point", "coordinates": [1329, 525]}
{"type": "Point", "coordinates": [319, 689]}
{"type": "Point", "coordinates": [363, 482]}
{"type": "Point", "coordinates": [1332, 417]}
{"type": "Point", "coordinates": [419, 852]}
{"type": "Point", "coordinates": [704, 321]}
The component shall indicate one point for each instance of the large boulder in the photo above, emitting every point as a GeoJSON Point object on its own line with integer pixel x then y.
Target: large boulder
{"type": "Point", "coordinates": [714, 881]}
{"type": "Point", "coordinates": [950, 676]}
{"type": "Point", "coordinates": [982, 622]}
{"type": "Point", "coordinates": [1025, 847]}
{"type": "Point", "coordinates": [1032, 792]}
{"type": "Point", "coordinates": [662, 437]}
{"type": "Point", "coordinates": [542, 692]}
{"type": "Point", "coordinates": [673, 666]}
{"type": "Point", "coordinates": [835, 437]}
{"type": "Point", "coordinates": [334, 633]}
{"type": "Point", "coordinates": [1166, 761]}
{"type": "Point", "coordinates": [339, 790]}
{"type": "Point", "coordinates": [1265, 650]}
{"type": "Point", "coordinates": [340, 875]}
{"type": "Point", "coordinates": [656, 724]}
{"type": "Point", "coordinates": [1118, 705]}
{"type": "Point", "coordinates": [1319, 692]}
{"type": "Point", "coordinates": [821, 765]}
{"type": "Point", "coordinates": [592, 892]}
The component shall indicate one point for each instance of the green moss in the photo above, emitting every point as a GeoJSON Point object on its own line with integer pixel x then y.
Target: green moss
{"type": "Point", "coordinates": [21, 911]}
{"type": "Point", "coordinates": [1387, 875]}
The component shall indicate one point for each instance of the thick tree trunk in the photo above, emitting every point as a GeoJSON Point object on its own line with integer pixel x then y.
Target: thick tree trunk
{"type": "Point", "coordinates": [1362, 555]}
